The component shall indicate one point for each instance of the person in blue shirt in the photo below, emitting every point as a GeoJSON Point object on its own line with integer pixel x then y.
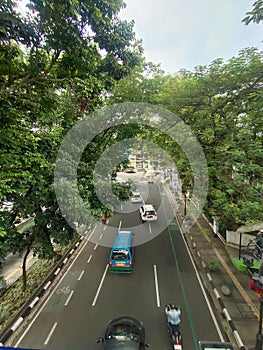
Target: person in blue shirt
{"type": "Point", "coordinates": [173, 313]}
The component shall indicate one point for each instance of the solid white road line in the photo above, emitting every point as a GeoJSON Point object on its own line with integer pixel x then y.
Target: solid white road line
{"type": "Point", "coordinates": [101, 282]}
{"type": "Point", "coordinates": [80, 276]}
{"type": "Point", "coordinates": [156, 286]}
{"type": "Point", "coordinates": [89, 259]}
{"type": "Point", "coordinates": [50, 333]}
{"type": "Point", "coordinates": [120, 225]}
{"type": "Point", "coordinates": [200, 282]}
{"type": "Point", "coordinates": [69, 297]}
{"type": "Point", "coordinates": [150, 228]}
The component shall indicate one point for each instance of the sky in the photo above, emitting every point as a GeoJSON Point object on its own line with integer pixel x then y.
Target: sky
{"type": "Point", "coordinates": [183, 34]}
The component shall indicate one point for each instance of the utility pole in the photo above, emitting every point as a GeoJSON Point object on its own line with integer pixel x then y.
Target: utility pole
{"type": "Point", "coordinates": [185, 197]}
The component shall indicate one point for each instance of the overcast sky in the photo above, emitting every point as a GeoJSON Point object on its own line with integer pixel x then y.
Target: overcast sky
{"type": "Point", "coordinates": [187, 33]}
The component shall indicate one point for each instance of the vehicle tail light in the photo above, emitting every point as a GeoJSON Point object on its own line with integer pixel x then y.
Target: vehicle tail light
{"type": "Point", "coordinates": [144, 215]}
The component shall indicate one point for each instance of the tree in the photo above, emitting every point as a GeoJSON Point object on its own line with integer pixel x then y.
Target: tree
{"type": "Point", "coordinates": [256, 15]}
{"type": "Point", "coordinates": [221, 104]}
{"type": "Point", "coordinates": [140, 85]}
{"type": "Point", "coordinates": [56, 65]}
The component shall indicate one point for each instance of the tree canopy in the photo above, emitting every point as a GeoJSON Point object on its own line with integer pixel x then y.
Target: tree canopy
{"type": "Point", "coordinates": [256, 15]}
{"type": "Point", "coordinates": [63, 60]}
{"type": "Point", "coordinates": [222, 103]}
{"type": "Point", "coordinates": [57, 63]}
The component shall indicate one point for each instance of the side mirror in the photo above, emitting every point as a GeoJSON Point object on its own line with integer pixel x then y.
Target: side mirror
{"type": "Point", "coordinates": [100, 340]}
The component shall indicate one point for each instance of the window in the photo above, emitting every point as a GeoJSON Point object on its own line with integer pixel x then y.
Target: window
{"type": "Point", "coordinates": [120, 255]}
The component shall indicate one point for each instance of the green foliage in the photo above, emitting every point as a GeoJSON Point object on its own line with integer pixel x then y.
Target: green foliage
{"type": "Point", "coordinates": [14, 297]}
{"type": "Point", "coordinates": [122, 191]}
{"type": "Point", "coordinates": [256, 15]}
{"type": "Point", "coordinates": [139, 86]}
{"type": "Point", "coordinates": [212, 266]}
{"type": "Point", "coordinates": [61, 61]}
{"type": "Point", "coordinates": [222, 104]}
{"type": "Point", "coordinates": [57, 63]}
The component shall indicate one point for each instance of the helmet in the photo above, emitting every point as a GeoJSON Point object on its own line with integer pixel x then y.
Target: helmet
{"type": "Point", "coordinates": [174, 307]}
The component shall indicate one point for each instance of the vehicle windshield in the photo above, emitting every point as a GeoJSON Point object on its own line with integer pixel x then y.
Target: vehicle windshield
{"type": "Point", "coordinates": [120, 254]}
{"type": "Point", "coordinates": [124, 332]}
{"type": "Point", "coordinates": [150, 212]}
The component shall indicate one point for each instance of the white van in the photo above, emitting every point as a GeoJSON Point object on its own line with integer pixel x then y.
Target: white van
{"type": "Point", "coordinates": [136, 197]}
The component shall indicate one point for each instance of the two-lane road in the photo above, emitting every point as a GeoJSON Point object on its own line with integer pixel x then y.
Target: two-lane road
{"type": "Point", "coordinates": [88, 296]}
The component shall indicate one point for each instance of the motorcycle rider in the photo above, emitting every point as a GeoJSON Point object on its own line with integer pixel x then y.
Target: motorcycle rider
{"type": "Point", "coordinates": [173, 313]}
{"type": "Point", "coordinates": [103, 218]}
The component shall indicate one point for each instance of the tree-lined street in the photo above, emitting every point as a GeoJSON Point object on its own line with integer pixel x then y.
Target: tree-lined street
{"type": "Point", "coordinates": [78, 310]}
{"type": "Point", "coordinates": [77, 99]}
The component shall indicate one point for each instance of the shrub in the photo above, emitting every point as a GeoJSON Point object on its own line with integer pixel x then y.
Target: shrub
{"type": "Point", "coordinates": [212, 266]}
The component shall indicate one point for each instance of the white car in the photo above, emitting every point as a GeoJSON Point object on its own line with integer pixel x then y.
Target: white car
{"type": "Point", "coordinates": [136, 197]}
{"type": "Point", "coordinates": [6, 205]}
{"type": "Point", "coordinates": [148, 213]}
{"type": "Point", "coordinates": [150, 180]}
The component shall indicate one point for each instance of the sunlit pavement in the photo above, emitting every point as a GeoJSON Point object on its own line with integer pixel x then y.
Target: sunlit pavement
{"type": "Point", "coordinates": [12, 268]}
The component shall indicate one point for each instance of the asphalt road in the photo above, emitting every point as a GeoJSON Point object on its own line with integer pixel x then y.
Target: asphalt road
{"type": "Point", "coordinates": [88, 296]}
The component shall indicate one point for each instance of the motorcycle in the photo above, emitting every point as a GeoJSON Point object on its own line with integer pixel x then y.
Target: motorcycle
{"type": "Point", "coordinates": [174, 332]}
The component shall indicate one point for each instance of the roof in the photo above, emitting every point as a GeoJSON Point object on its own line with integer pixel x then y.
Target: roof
{"type": "Point", "coordinates": [123, 239]}
{"type": "Point", "coordinates": [148, 206]}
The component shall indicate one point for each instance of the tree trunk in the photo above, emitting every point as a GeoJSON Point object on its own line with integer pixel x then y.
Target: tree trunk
{"type": "Point", "coordinates": [29, 244]}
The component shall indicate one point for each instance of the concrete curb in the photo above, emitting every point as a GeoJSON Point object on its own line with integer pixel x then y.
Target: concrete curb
{"type": "Point", "coordinates": [33, 301]}
{"type": "Point", "coordinates": [237, 337]}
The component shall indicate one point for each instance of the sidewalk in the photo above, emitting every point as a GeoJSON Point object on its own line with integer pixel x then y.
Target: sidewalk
{"type": "Point", "coordinates": [12, 268]}
{"type": "Point", "coordinates": [242, 304]}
